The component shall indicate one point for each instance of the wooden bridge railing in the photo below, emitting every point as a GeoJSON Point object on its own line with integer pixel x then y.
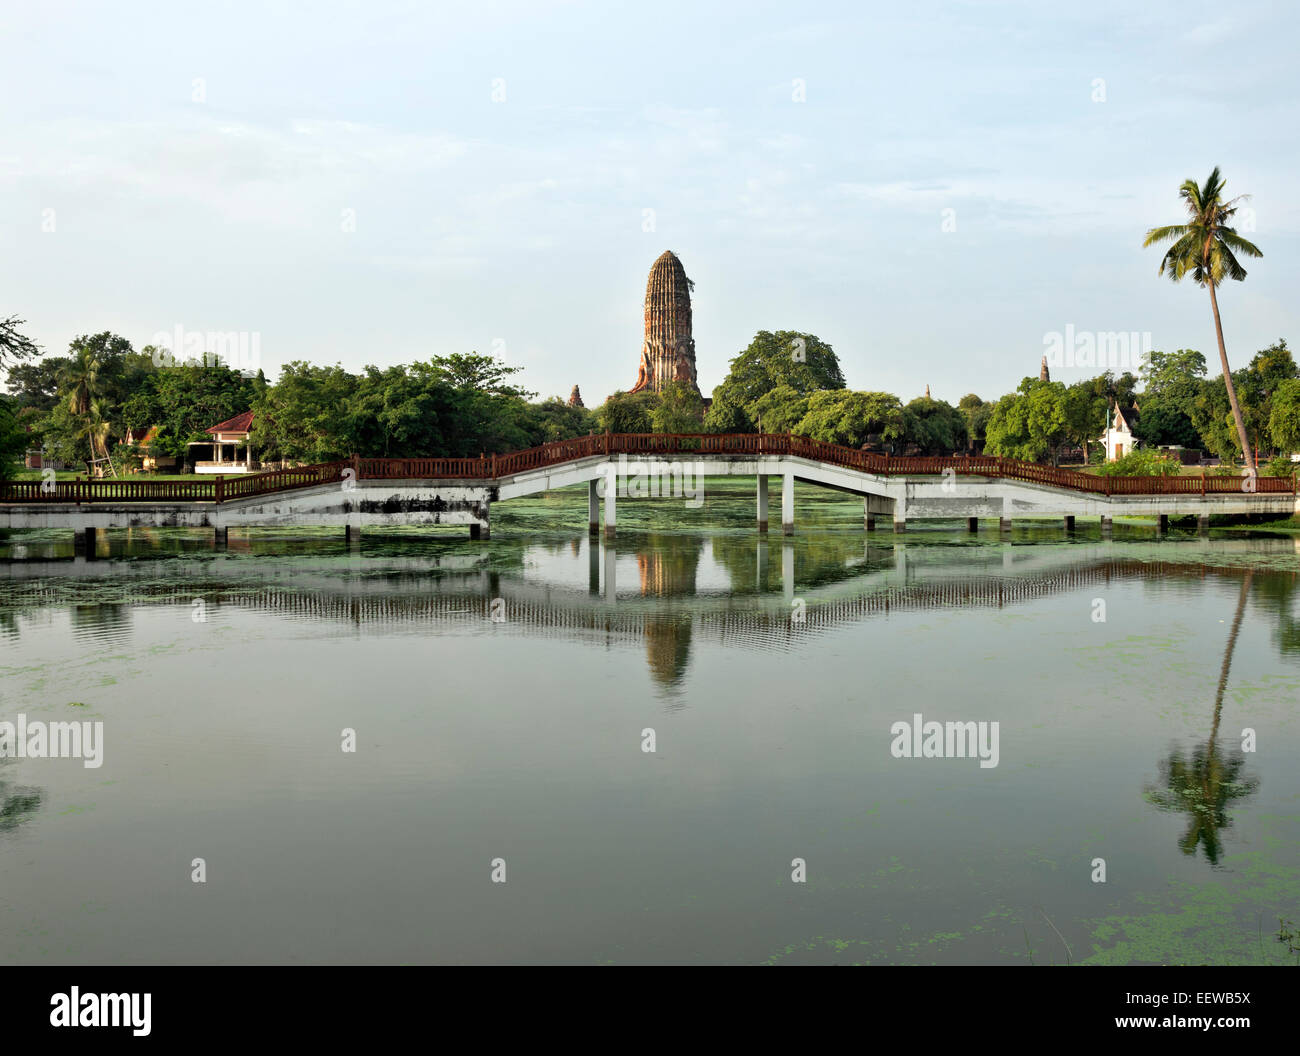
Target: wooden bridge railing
{"type": "Point", "coordinates": [495, 467]}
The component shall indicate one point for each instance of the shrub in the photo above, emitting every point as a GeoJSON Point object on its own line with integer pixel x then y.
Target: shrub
{"type": "Point", "coordinates": [1281, 466]}
{"type": "Point", "coordinates": [1142, 463]}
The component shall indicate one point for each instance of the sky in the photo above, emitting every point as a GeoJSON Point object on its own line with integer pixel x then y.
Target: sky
{"type": "Point", "coordinates": [934, 189]}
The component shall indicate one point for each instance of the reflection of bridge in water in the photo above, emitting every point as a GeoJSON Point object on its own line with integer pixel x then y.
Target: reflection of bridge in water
{"type": "Point", "coordinates": [670, 598]}
{"type": "Point", "coordinates": [648, 593]}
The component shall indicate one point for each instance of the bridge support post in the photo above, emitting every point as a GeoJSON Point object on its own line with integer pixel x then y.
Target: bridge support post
{"type": "Point", "coordinates": [787, 572]}
{"type": "Point", "coordinates": [352, 534]}
{"type": "Point", "coordinates": [220, 537]}
{"type": "Point", "coordinates": [593, 508]}
{"type": "Point", "coordinates": [870, 522]}
{"type": "Point", "coordinates": [762, 502]}
{"type": "Point", "coordinates": [1069, 522]}
{"type": "Point", "coordinates": [972, 524]}
{"type": "Point", "coordinates": [593, 568]}
{"type": "Point", "coordinates": [900, 524]}
{"type": "Point", "coordinates": [83, 541]}
{"type": "Point", "coordinates": [611, 578]}
{"type": "Point", "coordinates": [787, 504]}
{"type": "Point", "coordinates": [1004, 525]}
{"type": "Point", "coordinates": [1106, 526]}
{"type": "Point", "coordinates": [1162, 523]}
{"type": "Point", "coordinates": [611, 520]}
{"type": "Point", "coordinates": [1203, 524]}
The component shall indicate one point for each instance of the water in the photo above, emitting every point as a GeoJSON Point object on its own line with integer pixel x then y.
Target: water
{"type": "Point", "coordinates": [770, 671]}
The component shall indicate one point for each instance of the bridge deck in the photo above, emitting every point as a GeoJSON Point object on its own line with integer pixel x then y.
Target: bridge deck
{"type": "Point", "coordinates": [369, 491]}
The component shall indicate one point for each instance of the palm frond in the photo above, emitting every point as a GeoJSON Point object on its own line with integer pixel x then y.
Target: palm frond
{"type": "Point", "coordinates": [1225, 264]}
{"type": "Point", "coordinates": [1164, 234]}
{"type": "Point", "coordinates": [1182, 255]}
{"type": "Point", "coordinates": [1230, 238]}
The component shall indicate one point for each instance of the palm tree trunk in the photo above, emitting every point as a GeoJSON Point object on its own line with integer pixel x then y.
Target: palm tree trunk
{"type": "Point", "coordinates": [1227, 652]}
{"type": "Point", "coordinates": [1227, 377]}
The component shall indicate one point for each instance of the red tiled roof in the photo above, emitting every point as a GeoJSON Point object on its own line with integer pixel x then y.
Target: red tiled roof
{"type": "Point", "coordinates": [238, 424]}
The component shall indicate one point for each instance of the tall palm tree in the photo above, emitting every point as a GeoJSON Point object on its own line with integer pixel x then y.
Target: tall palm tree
{"type": "Point", "coordinates": [1206, 247]}
{"type": "Point", "coordinates": [95, 429]}
{"type": "Point", "coordinates": [80, 381]}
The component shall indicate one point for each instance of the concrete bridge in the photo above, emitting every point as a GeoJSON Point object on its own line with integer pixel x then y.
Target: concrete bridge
{"type": "Point", "coordinates": [357, 492]}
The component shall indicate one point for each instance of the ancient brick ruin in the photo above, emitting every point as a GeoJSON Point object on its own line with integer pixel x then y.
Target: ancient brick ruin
{"type": "Point", "coordinates": [668, 350]}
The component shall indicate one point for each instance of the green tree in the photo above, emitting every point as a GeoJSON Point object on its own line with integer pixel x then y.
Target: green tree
{"type": "Point", "coordinates": [1173, 377]}
{"type": "Point", "coordinates": [1030, 423]}
{"type": "Point", "coordinates": [977, 413]}
{"type": "Point", "coordinates": [1163, 423]}
{"type": "Point", "coordinates": [36, 384]}
{"type": "Point", "coordinates": [1284, 420]}
{"type": "Point", "coordinates": [302, 416]}
{"type": "Point", "coordinates": [679, 409]}
{"type": "Point", "coordinates": [554, 419]}
{"type": "Point", "coordinates": [852, 418]}
{"type": "Point", "coordinates": [1085, 411]}
{"type": "Point", "coordinates": [727, 416]}
{"type": "Point", "coordinates": [1205, 247]}
{"type": "Point", "coordinates": [936, 427]}
{"type": "Point", "coordinates": [1211, 415]}
{"type": "Point", "coordinates": [802, 361]}
{"type": "Point", "coordinates": [1256, 386]}
{"type": "Point", "coordinates": [1116, 391]}
{"type": "Point", "coordinates": [13, 437]}
{"type": "Point", "coordinates": [627, 412]}
{"type": "Point", "coordinates": [780, 410]}
{"type": "Point", "coordinates": [14, 345]}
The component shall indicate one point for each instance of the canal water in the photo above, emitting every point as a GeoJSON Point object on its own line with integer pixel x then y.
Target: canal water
{"type": "Point", "coordinates": [501, 804]}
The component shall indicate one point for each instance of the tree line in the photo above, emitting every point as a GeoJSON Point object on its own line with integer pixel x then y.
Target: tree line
{"type": "Point", "coordinates": [80, 406]}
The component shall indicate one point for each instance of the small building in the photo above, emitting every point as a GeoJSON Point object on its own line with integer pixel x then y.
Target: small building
{"type": "Point", "coordinates": [224, 449]}
{"type": "Point", "coordinates": [150, 460]}
{"type": "Point", "coordinates": [1118, 438]}
{"type": "Point", "coordinates": [1185, 456]}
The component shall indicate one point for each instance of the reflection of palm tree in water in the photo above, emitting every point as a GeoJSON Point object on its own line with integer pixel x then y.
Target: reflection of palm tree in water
{"type": "Point", "coordinates": [1208, 780]}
